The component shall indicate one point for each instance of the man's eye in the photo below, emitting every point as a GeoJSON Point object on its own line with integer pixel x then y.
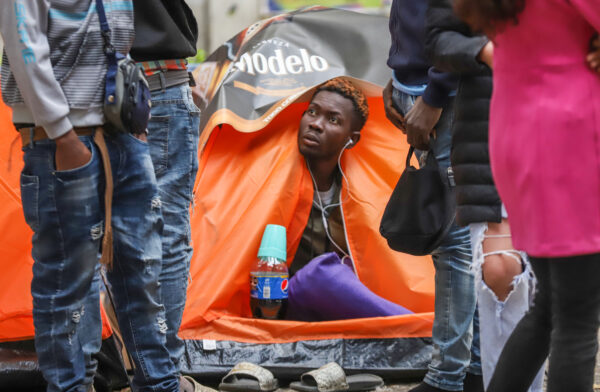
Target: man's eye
{"type": "Point", "coordinates": [312, 112]}
{"type": "Point", "coordinates": [334, 120]}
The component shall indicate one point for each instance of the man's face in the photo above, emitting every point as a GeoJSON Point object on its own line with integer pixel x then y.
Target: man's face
{"type": "Point", "coordinates": [326, 126]}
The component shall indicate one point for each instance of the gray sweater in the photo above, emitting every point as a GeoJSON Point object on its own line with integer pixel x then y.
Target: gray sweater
{"type": "Point", "coordinates": [53, 64]}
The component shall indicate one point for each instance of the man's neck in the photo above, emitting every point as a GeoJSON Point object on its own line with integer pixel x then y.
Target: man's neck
{"type": "Point", "coordinates": [323, 174]}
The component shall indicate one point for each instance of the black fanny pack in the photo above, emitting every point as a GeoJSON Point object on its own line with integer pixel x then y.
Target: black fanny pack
{"type": "Point", "coordinates": [126, 93]}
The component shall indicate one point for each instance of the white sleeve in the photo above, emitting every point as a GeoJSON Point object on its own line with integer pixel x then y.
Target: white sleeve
{"type": "Point", "coordinates": [23, 25]}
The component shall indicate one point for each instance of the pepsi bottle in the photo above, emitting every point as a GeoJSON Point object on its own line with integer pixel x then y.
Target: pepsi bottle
{"type": "Point", "coordinates": [269, 276]}
{"type": "Point", "coordinates": [269, 288]}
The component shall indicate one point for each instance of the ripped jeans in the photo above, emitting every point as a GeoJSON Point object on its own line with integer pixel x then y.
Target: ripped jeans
{"type": "Point", "coordinates": [497, 319]}
{"type": "Point", "coordinates": [65, 210]}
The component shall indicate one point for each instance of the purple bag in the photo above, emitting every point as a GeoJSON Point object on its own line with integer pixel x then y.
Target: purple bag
{"type": "Point", "coordinates": [326, 289]}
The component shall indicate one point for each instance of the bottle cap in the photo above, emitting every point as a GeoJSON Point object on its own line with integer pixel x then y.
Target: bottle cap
{"type": "Point", "coordinates": [273, 243]}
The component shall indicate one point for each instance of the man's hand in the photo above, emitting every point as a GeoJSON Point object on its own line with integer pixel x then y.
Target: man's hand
{"type": "Point", "coordinates": [71, 153]}
{"type": "Point", "coordinates": [593, 58]}
{"type": "Point", "coordinates": [390, 112]}
{"type": "Point", "coordinates": [420, 120]}
{"type": "Point", "coordinates": [486, 55]}
{"type": "Point", "coordinates": [142, 136]}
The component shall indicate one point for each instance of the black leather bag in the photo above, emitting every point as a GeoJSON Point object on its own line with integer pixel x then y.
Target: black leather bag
{"type": "Point", "coordinates": [421, 208]}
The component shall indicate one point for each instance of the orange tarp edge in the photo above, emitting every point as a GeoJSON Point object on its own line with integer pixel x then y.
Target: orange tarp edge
{"type": "Point", "coordinates": [16, 322]}
{"type": "Point", "coordinates": [247, 180]}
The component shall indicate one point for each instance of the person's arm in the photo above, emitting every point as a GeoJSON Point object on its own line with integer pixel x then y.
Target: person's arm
{"type": "Point", "coordinates": [23, 25]}
{"type": "Point", "coordinates": [450, 44]}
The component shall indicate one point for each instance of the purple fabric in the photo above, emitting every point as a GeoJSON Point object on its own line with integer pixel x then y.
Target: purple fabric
{"type": "Point", "coordinates": [326, 289]}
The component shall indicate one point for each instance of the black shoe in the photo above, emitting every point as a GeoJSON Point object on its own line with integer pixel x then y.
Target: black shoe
{"type": "Point", "coordinates": [473, 383]}
{"type": "Point", "coordinates": [424, 387]}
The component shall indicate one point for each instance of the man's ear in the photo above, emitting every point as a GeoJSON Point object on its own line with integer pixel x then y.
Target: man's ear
{"type": "Point", "coordinates": [354, 138]}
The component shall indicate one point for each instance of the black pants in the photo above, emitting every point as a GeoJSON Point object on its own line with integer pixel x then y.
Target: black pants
{"type": "Point", "coordinates": [563, 322]}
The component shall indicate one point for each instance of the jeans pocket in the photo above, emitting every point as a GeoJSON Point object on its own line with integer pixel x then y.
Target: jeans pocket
{"type": "Point", "coordinates": [158, 139]}
{"type": "Point", "coordinates": [189, 101]}
{"type": "Point", "coordinates": [29, 198]}
{"type": "Point", "coordinates": [78, 171]}
{"type": "Point", "coordinates": [402, 101]}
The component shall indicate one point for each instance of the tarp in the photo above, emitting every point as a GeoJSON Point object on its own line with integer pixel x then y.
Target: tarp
{"type": "Point", "coordinates": [253, 91]}
{"type": "Point", "coordinates": [18, 363]}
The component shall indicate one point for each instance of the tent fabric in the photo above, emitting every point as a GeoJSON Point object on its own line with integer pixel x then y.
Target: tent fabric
{"type": "Point", "coordinates": [16, 304]}
{"type": "Point", "coordinates": [248, 180]}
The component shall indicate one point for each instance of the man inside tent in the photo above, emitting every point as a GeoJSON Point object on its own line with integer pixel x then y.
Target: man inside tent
{"type": "Point", "coordinates": [323, 284]}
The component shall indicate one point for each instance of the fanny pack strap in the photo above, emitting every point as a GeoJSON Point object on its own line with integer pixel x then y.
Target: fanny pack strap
{"type": "Point", "coordinates": [111, 55]}
{"type": "Point", "coordinates": [107, 241]}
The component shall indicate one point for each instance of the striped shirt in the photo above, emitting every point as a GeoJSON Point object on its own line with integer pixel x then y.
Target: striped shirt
{"type": "Point", "coordinates": [53, 65]}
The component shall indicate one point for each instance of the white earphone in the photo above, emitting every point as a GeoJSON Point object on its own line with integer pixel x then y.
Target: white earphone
{"type": "Point", "coordinates": [349, 143]}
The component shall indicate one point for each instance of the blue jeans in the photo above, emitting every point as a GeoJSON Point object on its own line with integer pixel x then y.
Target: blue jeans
{"type": "Point", "coordinates": [65, 210]}
{"type": "Point", "coordinates": [173, 133]}
{"type": "Point", "coordinates": [455, 327]}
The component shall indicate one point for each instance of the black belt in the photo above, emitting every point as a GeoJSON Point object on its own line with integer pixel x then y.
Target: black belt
{"type": "Point", "coordinates": [164, 80]}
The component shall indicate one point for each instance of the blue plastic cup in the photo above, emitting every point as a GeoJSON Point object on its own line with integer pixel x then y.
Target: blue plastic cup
{"type": "Point", "coordinates": [273, 243]}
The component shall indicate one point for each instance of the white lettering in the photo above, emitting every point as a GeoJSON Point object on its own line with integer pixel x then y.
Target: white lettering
{"type": "Point", "coordinates": [277, 63]}
{"type": "Point", "coordinates": [318, 63]}
{"type": "Point", "coordinates": [291, 64]}
{"type": "Point", "coordinates": [305, 60]}
{"type": "Point", "coordinates": [245, 62]}
{"type": "Point", "coordinates": [260, 63]}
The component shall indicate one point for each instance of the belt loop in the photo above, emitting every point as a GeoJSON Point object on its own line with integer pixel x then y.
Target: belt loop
{"type": "Point", "coordinates": [163, 81]}
{"type": "Point", "coordinates": [31, 135]}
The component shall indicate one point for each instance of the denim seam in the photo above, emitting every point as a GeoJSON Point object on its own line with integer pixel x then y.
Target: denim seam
{"type": "Point", "coordinates": [130, 321]}
{"type": "Point", "coordinates": [52, 195]}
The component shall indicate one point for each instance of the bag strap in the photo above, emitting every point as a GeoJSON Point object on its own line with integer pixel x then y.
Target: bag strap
{"type": "Point", "coordinates": [109, 49]}
{"type": "Point", "coordinates": [411, 150]}
{"type": "Point", "coordinates": [111, 56]}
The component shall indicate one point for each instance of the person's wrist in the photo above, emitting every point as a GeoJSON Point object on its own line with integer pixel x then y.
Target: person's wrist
{"type": "Point", "coordinates": [67, 138]}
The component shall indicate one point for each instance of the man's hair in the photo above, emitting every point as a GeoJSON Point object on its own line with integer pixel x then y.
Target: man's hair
{"type": "Point", "coordinates": [348, 90]}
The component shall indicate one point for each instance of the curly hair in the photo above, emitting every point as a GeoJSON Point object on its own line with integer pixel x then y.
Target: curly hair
{"type": "Point", "coordinates": [348, 90]}
{"type": "Point", "coordinates": [488, 15]}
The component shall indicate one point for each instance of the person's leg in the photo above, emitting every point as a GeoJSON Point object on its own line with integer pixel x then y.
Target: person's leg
{"type": "Point", "coordinates": [504, 282]}
{"type": "Point", "coordinates": [137, 225]}
{"type": "Point", "coordinates": [63, 210]}
{"type": "Point", "coordinates": [454, 284]}
{"type": "Point", "coordinates": [527, 347]}
{"type": "Point", "coordinates": [173, 133]}
{"type": "Point", "coordinates": [575, 320]}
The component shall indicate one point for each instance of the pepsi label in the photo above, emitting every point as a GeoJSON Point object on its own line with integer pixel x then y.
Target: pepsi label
{"type": "Point", "coordinates": [270, 286]}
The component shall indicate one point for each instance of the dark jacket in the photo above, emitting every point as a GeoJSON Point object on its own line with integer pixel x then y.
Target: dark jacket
{"type": "Point", "coordinates": [407, 53]}
{"type": "Point", "coordinates": [164, 30]}
{"type": "Point", "coordinates": [453, 47]}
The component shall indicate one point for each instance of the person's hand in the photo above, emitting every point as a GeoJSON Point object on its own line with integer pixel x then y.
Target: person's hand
{"type": "Point", "coordinates": [71, 152]}
{"type": "Point", "coordinates": [390, 111]}
{"type": "Point", "coordinates": [420, 120]}
{"type": "Point", "coordinates": [593, 58]}
{"type": "Point", "coordinates": [142, 136]}
{"type": "Point", "coordinates": [486, 55]}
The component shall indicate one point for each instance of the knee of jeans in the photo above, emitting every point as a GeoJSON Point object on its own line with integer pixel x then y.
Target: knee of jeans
{"type": "Point", "coordinates": [76, 314]}
{"type": "Point", "coordinates": [161, 322]}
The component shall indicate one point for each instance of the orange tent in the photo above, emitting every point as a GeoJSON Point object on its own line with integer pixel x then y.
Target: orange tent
{"type": "Point", "coordinates": [248, 180]}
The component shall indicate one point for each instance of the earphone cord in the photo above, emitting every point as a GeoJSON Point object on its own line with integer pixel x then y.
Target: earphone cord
{"type": "Point", "coordinates": [325, 225]}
